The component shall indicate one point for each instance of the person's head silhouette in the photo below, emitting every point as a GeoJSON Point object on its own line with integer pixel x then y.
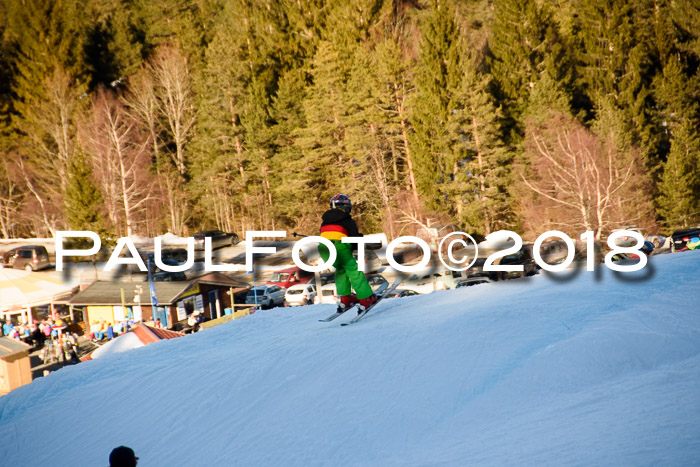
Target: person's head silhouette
{"type": "Point", "coordinates": [122, 456]}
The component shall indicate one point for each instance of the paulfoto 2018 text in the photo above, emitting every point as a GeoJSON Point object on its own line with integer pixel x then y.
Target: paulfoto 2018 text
{"type": "Point", "coordinates": [459, 240]}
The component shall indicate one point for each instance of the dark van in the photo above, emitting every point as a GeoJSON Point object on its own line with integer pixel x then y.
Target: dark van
{"type": "Point", "coordinates": [30, 258]}
{"type": "Point", "coordinates": [289, 277]}
{"type": "Point", "coordinates": [680, 238]}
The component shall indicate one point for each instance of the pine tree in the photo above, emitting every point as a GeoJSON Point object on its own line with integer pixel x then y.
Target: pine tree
{"type": "Point", "coordinates": [685, 15]}
{"type": "Point", "coordinates": [164, 22]}
{"type": "Point", "coordinates": [438, 75]}
{"type": "Point", "coordinates": [113, 46]}
{"type": "Point", "coordinates": [677, 95]}
{"type": "Point", "coordinates": [292, 205]}
{"type": "Point", "coordinates": [252, 48]}
{"type": "Point", "coordinates": [482, 183]}
{"type": "Point", "coordinates": [348, 22]}
{"type": "Point", "coordinates": [680, 182]}
{"type": "Point", "coordinates": [527, 47]}
{"type": "Point", "coordinates": [322, 140]}
{"type": "Point", "coordinates": [618, 68]}
{"type": "Point", "coordinates": [46, 35]}
{"type": "Point", "coordinates": [49, 77]}
{"type": "Point", "coordinates": [395, 84]}
{"type": "Point", "coordinates": [84, 201]}
{"type": "Point", "coordinates": [370, 139]}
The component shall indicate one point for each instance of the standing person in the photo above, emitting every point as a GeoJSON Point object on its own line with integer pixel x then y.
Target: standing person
{"type": "Point", "coordinates": [38, 337]}
{"type": "Point", "coordinates": [337, 224]}
{"type": "Point", "coordinates": [122, 456]}
{"type": "Point", "coordinates": [193, 321]}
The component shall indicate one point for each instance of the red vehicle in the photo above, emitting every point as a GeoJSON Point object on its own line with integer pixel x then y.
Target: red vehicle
{"type": "Point", "coordinates": [289, 277]}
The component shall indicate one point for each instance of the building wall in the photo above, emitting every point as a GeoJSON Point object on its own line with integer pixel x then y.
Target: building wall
{"type": "Point", "coordinates": [15, 371]}
{"type": "Point", "coordinates": [96, 314]}
{"type": "Point", "coordinates": [184, 307]}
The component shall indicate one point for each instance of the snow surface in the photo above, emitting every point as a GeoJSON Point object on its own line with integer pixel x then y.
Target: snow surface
{"type": "Point", "coordinates": [575, 369]}
{"type": "Point", "coordinates": [122, 343]}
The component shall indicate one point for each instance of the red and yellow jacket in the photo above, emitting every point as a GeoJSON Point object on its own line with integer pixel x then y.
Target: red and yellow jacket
{"type": "Point", "coordinates": [337, 224]}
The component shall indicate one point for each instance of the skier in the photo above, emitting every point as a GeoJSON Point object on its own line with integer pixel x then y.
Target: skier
{"type": "Point", "coordinates": [336, 224]}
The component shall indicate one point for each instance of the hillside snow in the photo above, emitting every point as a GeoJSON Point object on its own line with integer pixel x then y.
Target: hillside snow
{"type": "Point", "coordinates": [575, 369]}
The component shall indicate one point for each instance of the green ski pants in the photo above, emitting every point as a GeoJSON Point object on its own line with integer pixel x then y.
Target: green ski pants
{"type": "Point", "coordinates": [346, 272]}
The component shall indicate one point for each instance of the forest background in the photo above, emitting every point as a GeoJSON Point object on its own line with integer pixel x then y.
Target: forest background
{"type": "Point", "coordinates": [146, 116]}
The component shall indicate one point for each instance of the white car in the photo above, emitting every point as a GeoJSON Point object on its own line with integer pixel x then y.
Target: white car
{"type": "Point", "coordinates": [372, 262]}
{"type": "Point", "coordinates": [300, 294]}
{"type": "Point", "coordinates": [329, 294]}
{"type": "Point", "coordinates": [267, 296]}
{"type": "Point", "coordinates": [430, 282]}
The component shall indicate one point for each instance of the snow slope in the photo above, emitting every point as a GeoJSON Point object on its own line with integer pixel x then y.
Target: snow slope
{"type": "Point", "coordinates": [589, 369]}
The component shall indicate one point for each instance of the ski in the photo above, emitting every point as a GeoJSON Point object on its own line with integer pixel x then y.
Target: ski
{"type": "Point", "coordinates": [380, 290]}
{"type": "Point", "coordinates": [336, 314]}
{"type": "Point", "coordinates": [386, 292]}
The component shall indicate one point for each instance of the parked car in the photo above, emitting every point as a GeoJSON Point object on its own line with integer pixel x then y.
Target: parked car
{"type": "Point", "coordinates": [328, 294]}
{"type": "Point", "coordinates": [656, 240]}
{"type": "Point", "coordinates": [399, 293]}
{"type": "Point", "coordinates": [325, 278]}
{"type": "Point", "coordinates": [289, 277]}
{"type": "Point", "coordinates": [476, 270]}
{"type": "Point", "coordinates": [157, 273]}
{"type": "Point", "coordinates": [429, 281]}
{"type": "Point", "coordinates": [376, 280]}
{"type": "Point", "coordinates": [29, 257]}
{"type": "Point", "coordinates": [218, 239]}
{"type": "Point", "coordinates": [166, 276]}
{"type": "Point", "coordinates": [300, 294]}
{"type": "Point", "coordinates": [680, 238]}
{"type": "Point", "coordinates": [176, 254]}
{"type": "Point", "coordinates": [628, 241]}
{"type": "Point", "coordinates": [473, 280]}
{"type": "Point", "coordinates": [268, 296]}
{"type": "Point", "coordinates": [554, 252]}
{"type": "Point", "coordinates": [7, 258]}
{"type": "Point", "coordinates": [522, 257]}
{"type": "Point", "coordinates": [372, 261]}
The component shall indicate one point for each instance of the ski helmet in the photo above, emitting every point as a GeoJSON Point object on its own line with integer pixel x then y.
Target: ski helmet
{"type": "Point", "coordinates": [341, 202]}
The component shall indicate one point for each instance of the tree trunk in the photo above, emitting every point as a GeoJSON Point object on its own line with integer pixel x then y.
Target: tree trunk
{"type": "Point", "coordinates": [482, 181]}
{"type": "Point", "coordinates": [404, 136]}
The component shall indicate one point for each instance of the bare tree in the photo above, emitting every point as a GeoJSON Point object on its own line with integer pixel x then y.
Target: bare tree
{"type": "Point", "coordinates": [174, 95]}
{"type": "Point", "coordinates": [11, 195]}
{"type": "Point", "coordinates": [118, 151]}
{"type": "Point", "coordinates": [143, 106]}
{"type": "Point", "coordinates": [582, 184]}
{"type": "Point", "coordinates": [160, 98]}
{"type": "Point", "coordinates": [49, 126]}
